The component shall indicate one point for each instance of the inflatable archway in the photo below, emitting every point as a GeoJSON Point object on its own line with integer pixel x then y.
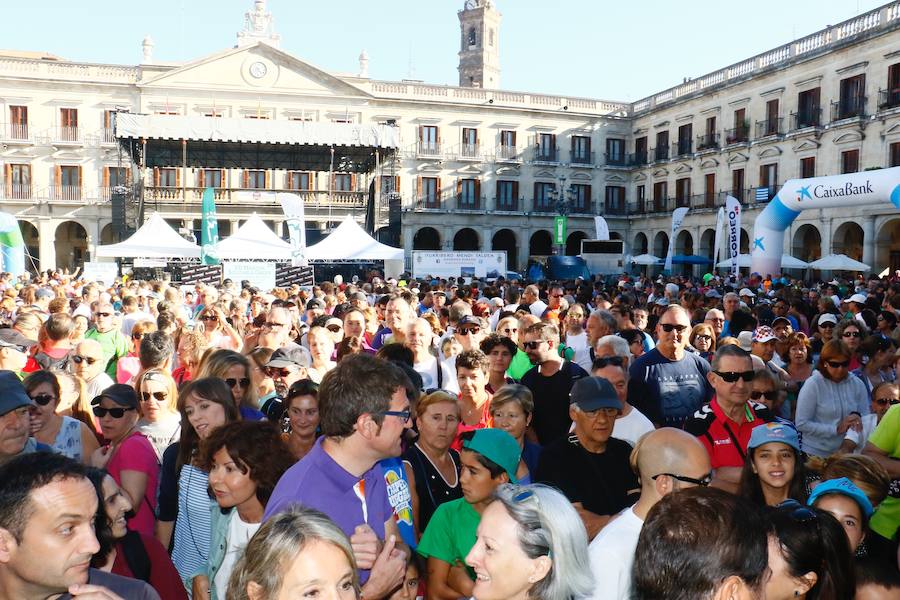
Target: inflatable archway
{"type": "Point", "coordinates": [868, 187]}
{"type": "Point", "coordinates": [12, 246]}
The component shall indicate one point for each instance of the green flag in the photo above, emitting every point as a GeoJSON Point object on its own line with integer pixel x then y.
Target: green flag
{"type": "Point", "coordinates": [209, 234]}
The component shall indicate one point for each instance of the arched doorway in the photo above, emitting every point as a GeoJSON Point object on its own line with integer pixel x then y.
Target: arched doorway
{"type": "Point", "coordinates": [224, 228]}
{"type": "Point", "coordinates": [640, 245]}
{"type": "Point", "coordinates": [540, 244]}
{"type": "Point", "coordinates": [661, 244]}
{"type": "Point", "coordinates": [807, 243]}
{"type": "Point", "coordinates": [615, 235]}
{"type": "Point", "coordinates": [427, 238]}
{"type": "Point", "coordinates": [887, 247]}
{"type": "Point", "coordinates": [32, 240]}
{"type": "Point", "coordinates": [684, 245]}
{"type": "Point", "coordinates": [848, 239]}
{"type": "Point", "coordinates": [573, 243]}
{"type": "Point", "coordinates": [745, 242]}
{"type": "Point", "coordinates": [107, 235]}
{"type": "Point", "coordinates": [71, 245]}
{"type": "Point", "coordinates": [466, 239]}
{"type": "Point", "coordinates": [707, 244]}
{"type": "Point", "coordinates": [505, 240]}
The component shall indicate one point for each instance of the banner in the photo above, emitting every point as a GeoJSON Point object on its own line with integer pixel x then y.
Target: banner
{"type": "Point", "coordinates": [209, 229]}
{"type": "Point", "coordinates": [601, 229]}
{"type": "Point", "coordinates": [733, 212]}
{"type": "Point", "coordinates": [428, 263]}
{"type": "Point", "coordinates": [260, 274]}
{"type": "Point", "coordinates": [717, 245]}
{"type": "Point", "coordinates": [677, 218]}
{"type": "Point", "coordinates": [12, 246]}
{"type": "Point", "coordinates": [100, 271]}
{"type": "Point", "coordinates": [559, 227]}
{"type": "Point", "coordinates": [292, 205]}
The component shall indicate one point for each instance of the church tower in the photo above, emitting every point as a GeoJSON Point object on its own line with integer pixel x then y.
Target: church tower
{"type": "Point", "coordinates": [479, 51]}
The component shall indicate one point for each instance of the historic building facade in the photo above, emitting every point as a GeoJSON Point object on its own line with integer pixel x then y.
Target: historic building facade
{"type": "Point", "coordinates": [478, 168]}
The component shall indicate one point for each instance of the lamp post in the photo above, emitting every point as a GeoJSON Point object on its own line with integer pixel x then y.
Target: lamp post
{"type": "Point", "coordinates": [562, 197]}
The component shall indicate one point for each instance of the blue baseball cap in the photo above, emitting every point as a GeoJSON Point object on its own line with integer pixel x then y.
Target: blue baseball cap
{"type": "Point", "coordinates": [12, 393]}
{"type": "Point", "coordinates": [845, 487]}
{"type": "Point", "coordinates": [774, 432]}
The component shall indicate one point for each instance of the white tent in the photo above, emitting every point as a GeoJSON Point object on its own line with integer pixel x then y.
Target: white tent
{"type": "Point", "coordinates": [645, 259]}
{"type": "Point", "coordinates": [787, 262]}
{"type": "Point", "coordinates": [838, 262]}
{"type": "Point", "coordinates": [254, 240]}
{"type": "Point", "coordinates": [154, 239]}
{"type": "Point", "coordinates": [349, 241]}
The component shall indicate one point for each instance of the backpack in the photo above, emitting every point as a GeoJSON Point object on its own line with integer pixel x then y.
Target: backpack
{"type": "Point", "coordinates": [47, 362]}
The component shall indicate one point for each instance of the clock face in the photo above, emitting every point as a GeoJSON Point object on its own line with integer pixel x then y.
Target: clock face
{"type": "Point", "coordinates": [258, 70]}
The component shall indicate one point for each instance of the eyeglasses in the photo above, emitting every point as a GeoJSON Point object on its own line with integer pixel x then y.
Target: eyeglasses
{"type": "Point", "coordinates": [80, 359]}
{"type": "Point", "coordinates": [733, 376]}
{"type": "Point", "coordinates": [403, 415]}
{"type": "Point", "coordinates": [849, 334]}
{"type": "Point", "coordinates": [469, 331]}
{"type": "Point", "coordinates": [43, 399]}
{"type": "Point", "coordinates": [160, 396]}
{"type": "Point", "coordinates": [702, 482]}
{"type": "Point", "coordinates": [115, 413]}
{"type": "Point", "coordinates": [276, 372]}
{"type": "Point", "coordinates": [838, 364]}
{"type": "Point", "coordinates": [616, 361]}
{"type": "Point", "coordinates": [878, 401]}
{"type": "Point", "coordinates": [703, 337]}
{"type": "Point", "coordinates": [333, 328]}
{"type": "Point", "coordinates": [244, 382]}
{"type": "Point", "coordinates": [668, 327]}
{"type": "Point", "coordinates": [533, 345]}
{"type": "Point", "coordinates": [756, 395]}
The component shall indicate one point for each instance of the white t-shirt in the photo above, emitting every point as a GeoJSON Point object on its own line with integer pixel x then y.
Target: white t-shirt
{"type": "Point", "coordinates": [579, 344]}
{"type": "Point", "coordinates": [632, 426]}
{"type": "Point", "coordinates": [162, 433]}
{"type": "Point", "coordinates": [612, 554]}
{"type": "Point", "coordinates": [129, 320]}
{"type": "Point", "coordinates": [538, 308]}
{"type": "Point", "coordinates": [98, 384]}
{"type": "Point", "coordinates": [450, 383]}
{"type": "Point", "coordinates": [869, 422]}
{"type": "Point", "coordinates": [239, 533]}
{"type": "Point", "coordinates": [428, 369]}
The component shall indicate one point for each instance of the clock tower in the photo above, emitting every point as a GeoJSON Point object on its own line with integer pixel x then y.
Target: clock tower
{"type": "Point", "coordinates": [479, 51]}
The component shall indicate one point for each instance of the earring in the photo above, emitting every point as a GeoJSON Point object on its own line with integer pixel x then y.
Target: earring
{"type": "Point", "coordinates": [796, 593]}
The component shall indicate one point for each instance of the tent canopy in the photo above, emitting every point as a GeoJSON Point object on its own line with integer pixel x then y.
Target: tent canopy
{"type": "Point", "coordinates": [154, 239]}
{"type": "Point", "coordinates": [645, 259]}
{"type": "Point", "coordinates": [350, 242]}
{"type": "Point", "coordinates": [787, 262]}
{"type": "Point", "coordinates": [838, 262]}
{"type": "Point", "coordinates": [254, 240]}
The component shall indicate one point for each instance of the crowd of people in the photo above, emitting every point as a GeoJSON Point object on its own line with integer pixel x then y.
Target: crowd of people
{"type": "Point", "coordinates": [624, 438]}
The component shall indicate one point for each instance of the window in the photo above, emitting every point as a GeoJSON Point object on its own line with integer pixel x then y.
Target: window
{"type": "Point", "coordinates": [18, 181]}
{"type": "Point", "coordinates": [213, 113]}
{"type": "Point", "coordinates": [739, 132]}
{"type": "Point", "coordinates": [662, 145]}
{"type": "Point", "coordinates": [211, 178]}
{"type": "Point", "coordinates": [641, 194]}
{"type": "Point", "coordinates": [615, 151]}
{"type": "Point", "coordinates": [429, 196]}
{"type": "Point", "coordinates": [546, 146]}
{"type": "Point", "coordinates": [895, 154]}
{"type": "Point", "coordinates": [166, 177]}
{"type": "Point", "coordinates": [469, 142]}
{"type": "Point", "coordinates": [808, 111]}
{"type": "Point", "coordinates": [850, 161]}
{"type": "Point", "coordinates": [891, 96]}
{"type": "Point", "coordinates": [615, 200]}
{"type": "Point", "coordinates": [490, 37]}
{"type": "Point", "coordinates": [768, 177]}
{"type": "Point", "coordinates": [685, 132]}
{"type": "Point", "coordinates": [709, 193]}
{"type": "Point", "coordinates": [68, 183]}
{"type": "Point", "coordinates": [508, 138]}
{"type": "Point", "coordinates": [807, 167]}
{"type": "Point", "coordinates": [116, 176]}
{"type": "Point", "coordinates": [343, 182]}
{"type": "Point", "coordinates": [710, 137]}
{"type": "Point", "coordinates": [581, 198]}
{"type": "Point", "coordinates": [683, 191]}
{"type": "Point", "coordinates": [640, 150]}
{"type": "Point", "coordinates": [737, 184]}
{"type": "Point", "coordinates": [255, 179]}
{"type": "Point", "coordinates": [390, 184]}
{"type": "Point", "coordinates": [542, 196]}
{"type": "Point", "coordinates": [710, 126]}
{"type": "Point", "coordinates": [68, 124]}
{"type": "Point", "coordinates": [473, 37]}
{"type": "Point", "coordinates": [467, 193]}
{"type": "Point", "coordinates": [18, 122]}
{"type": "Point", "coordinates": [852, 101]}
{"type": "Point", "coordinates": [581, 149]}
{"type": "Point", "coordinates": [771, 123]}
{"type": "Point", "coordinates": [428, 139]}
{"type": "Point", "coordinates": [507, 195]}
{"type": "Point", "coordinates": [109, 127]}
{"type": "Point", "coordinates": [660, 191]}
{"type": "Point", "coordinates": [299, 180]}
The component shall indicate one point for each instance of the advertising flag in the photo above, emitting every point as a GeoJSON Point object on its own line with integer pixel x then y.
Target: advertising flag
{"type": "Point", "coordinates": [292, 205]}
{"type": "Point", "coordinates": [601, 228]}
{"type": "Point", "coordinates": [677, 218]}
{"type": "Point", "coordinates": [209, 233]}
{"type": "Point", "coordinates": [717, 245]}
{"type": "Point", "coordinates": [733, 213]}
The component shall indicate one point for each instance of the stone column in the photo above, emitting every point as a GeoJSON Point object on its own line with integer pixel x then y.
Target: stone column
{"type": "Point", "coordinates": [47, 243]}
{"type": "Point", "coordinates": [868, 226]}
{"type": "Point", "coordinates": [487, 236]}
{"type": "Point", "coordinates": [447, 238]}
{"type": "Point", "coordinates": [408, 235]}
{"type": "Point", "coordinates": [826, 234]}
{"type": "Point", "coordinates": [524, 245]}
{"type": "Point", "coordinates": [93, 239]}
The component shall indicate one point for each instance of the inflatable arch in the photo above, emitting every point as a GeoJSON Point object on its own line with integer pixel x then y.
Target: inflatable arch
{"type": "Point", "coordinates": [868, 187]}
{"type": "Point", "coordinates": [12, 246]}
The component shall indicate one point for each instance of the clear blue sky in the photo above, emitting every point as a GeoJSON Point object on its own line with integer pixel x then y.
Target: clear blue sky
{"type": "Point", "coordinates": [593, 48]}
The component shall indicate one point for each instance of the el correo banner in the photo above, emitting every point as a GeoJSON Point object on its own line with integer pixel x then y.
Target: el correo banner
{"type": "Point", "coordinates": [677, 219]}
{"type": "Point", "coordinates": [458, 264]}
{"type": "Point", "coordinates": [292, 205]}
{"type": "Point", "coordinates": [733, 214]}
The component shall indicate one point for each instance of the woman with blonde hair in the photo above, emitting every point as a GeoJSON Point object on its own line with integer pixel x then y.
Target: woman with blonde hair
{"type": "Point", "coordinates": [217, 331]}
{"type": "Point", "coordinates": [128, 367]}
{"type": "Point", "coordinates": [703, 338]}
{"type": "Point", "coordinates": [234, 368]}
{"type": "Point", "coordinates": [258, 378]}
{"type": "Point", "coordinates": [190, 348]}
{"type": "Point", "coordinates": [160, 420]}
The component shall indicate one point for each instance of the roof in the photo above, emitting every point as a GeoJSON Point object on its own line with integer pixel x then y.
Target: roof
{"type": "Point", "coordinates": [350, 242]}
{"type": "Point", "coordinates": [154, 239]}
{"type": "Point", "coordinates": [253, 240]}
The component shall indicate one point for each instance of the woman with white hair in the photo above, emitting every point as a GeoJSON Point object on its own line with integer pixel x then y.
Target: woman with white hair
{"type": "Point", "coordinates": [531, 545]}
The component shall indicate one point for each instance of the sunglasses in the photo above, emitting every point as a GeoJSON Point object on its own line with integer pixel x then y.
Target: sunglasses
{"type": "Point", "coordinates": [102, 315]}
{"type": "Point", "coordinates": [703, 337]}
{"type": "Point", "coordinates": [878, 401]}
{"type": "Point", "coordinates": [333, 328]}
{"type": "Point", "coordinates": [668, 327]}
{"type": "Point", "coordinates": [244, 382]}
{"type": "Point", "coordinates": [43, 399]}
{"type": "Point", "coordinates": [275, 372]}
{"type": "Point", "coordinates": [273, 325]}
{"type": "Point", "coordinates": [616, 361]}
{"type": "Point", "coordinates": [161, 396]}
{"type": "Point", "coordinates": [80, 359]}
{"type": "Point", "coordinates": [826, 325]}
{"type": "Point", "coordinates": [848, 334]}
{"type": "Point", "coordinates": [702, 482]}
{"type": "Point", "coordinates": [209, 318]}
{"type": "Point", "coordinates": [516, 330]}
{"type": "Point", "coordinates": [838, 364]}
{"type": "Point", "coordinates": [470, 331]}
{"type": "Point", "coordinates": [733, 376]}
{"type": "Point", "coordinates": [533, 345]}
{"type": "Point", "coordinates": [773, 395]}
{"type": "Point", "coordinates": [115, 413]}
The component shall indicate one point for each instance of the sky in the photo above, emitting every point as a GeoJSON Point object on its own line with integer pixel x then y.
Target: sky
{"type": "Point", "coordinates": [591, 48]}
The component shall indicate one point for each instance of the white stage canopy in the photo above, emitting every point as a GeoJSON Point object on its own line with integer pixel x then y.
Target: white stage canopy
{"type": "Point", "coordinates": [254, 241]}
{"type": "Point", "coordinates": [839, 262]}
{"type": "Point", "coordinates": [787, 262]}
{"type": "Point", "coordinates": [349, 241]}
{"type": "Point", "coordinates": [154, 239]}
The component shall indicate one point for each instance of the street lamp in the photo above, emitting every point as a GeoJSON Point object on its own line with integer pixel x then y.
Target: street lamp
{"type": "Point", "coordinates": [562, 198]}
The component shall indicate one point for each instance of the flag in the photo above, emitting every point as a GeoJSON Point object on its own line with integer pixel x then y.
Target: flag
{"type": "Point", "coordinates": [677, 218]}
{"type": "Point", "coordinates": [209, 229]}
{"type": "Point", "coordinates": [292, 205]}
{"type": "Point", "coordinates": [762, 194]}
{"type": "Point", "coordinates": [12, 246]}
{"type": "Point", "coordinates": [717, 245]}
{"type": "Point", "coordinates": [733, 212]}
{"type": "Point", "coordinates": [601, 228]}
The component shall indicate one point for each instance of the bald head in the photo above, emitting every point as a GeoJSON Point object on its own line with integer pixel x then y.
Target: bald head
{"type": "Point", "coordinates": [669, 450]}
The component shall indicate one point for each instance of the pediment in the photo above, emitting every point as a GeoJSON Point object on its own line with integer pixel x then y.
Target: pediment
{"type": "Point", "coordinates": [849, 137]}
{"type": "Point", "coordinates": [770, 152]}
{"type": "Point", "coordinates": [737, 157]}
{"type": "Point", "coordinates": [429, 167]}
{"type": "Point", "coordinates": [683, 168]}
{"type": "Point", "coordinates": [616, 178]}
{"type": "Point", "coordinates": [470, 170]}
{"type": "Point", "coordinates": [640, 177]}
{"type": "Point", "coordinates": [580, 177]}
{"type": "Point", "coordinates": [545, 174]}
{"type": "Point", "coordinates": [709, 163]}
{"type": "Point", "coordinates": [507, 171]}
{"type": "Point", "coordinates": [259, 67]}
{"type": "Point", "coordinates": [806, 144]}
{"type": "Point", "coordinates": [660, 173]}
{"type": "Point", "coordinates": [69, 155]}
{"type": "Point", "coordinates": [894, 129]}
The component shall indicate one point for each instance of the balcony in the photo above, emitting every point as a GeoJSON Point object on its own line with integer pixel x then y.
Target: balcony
{"type": "Point", "coordinates": [737, 135]}
{"type": "Point", "coordinates": [617, 159]}
{"type": "Point", "coordinates": [769, 127]}
{"type": "Point", "coordinates": [660, 153]}
{"type": "Point", "coordinates": [543, 205]}
{"type": "Point", "coordinates": [707, 141]}
{"type": "Point", "coordinates": [707, 200]}
{"type": "Point", "coordinates": [17, 191]}
{"type": "Point", "coordinates": [638, 159]}
{"type": "Point", "coordinates": [658, 205]}
{"type": "Point", "coordinates": [888, 99]}
{"type": "Point", "coordinates": [682, 149]}
{"type": "Point", "coordinates": [682, 201]}
{"type": "Point", "coordinates": [468, 152]}
{"type": "Point", "coordinates": [66, 193]}
{"type": "Point", "coordinates": [12, 133]}
{"type": "Point", "coordinates": [66, 135]}
{"type": "Point", "coordinates": [615, 207]}
{"type": "Point", "coordinates": [806, 118]}
{"type": "Point", "coordinates": [580, 207]}
{"type": "Point", "coordinates": [107, 135]}
{"type": "Point", "coordinates": [508, 204]}
{"type": "Point", "coordinates": [582, 158]}
{"type": "Point", "coordinates": [428, 149]}
{"type": "Point", "coordinates": [508, 154]}
{"type": "Point", "coordinates": [469, 203]}
{"type": "Point", "coordinates": [428, 203]}
{"type": "Point", "coordinates": [851, 107]}
{"type": "Point", "coordinates": [254, 197]}
{"type": "Point", "coordinates": [543, 154]}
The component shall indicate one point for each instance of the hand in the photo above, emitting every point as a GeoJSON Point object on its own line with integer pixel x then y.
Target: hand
{"type": "Point", "coordinates": [387, 572]}
{"type": "Point", "coordinates": [365, 546]}
{"type": "Point", "coordinates": [100, 457]}
{"type": "Point", "coordinates": [92, 592]}
{"type": "Point", "coordinates": [848, 422]}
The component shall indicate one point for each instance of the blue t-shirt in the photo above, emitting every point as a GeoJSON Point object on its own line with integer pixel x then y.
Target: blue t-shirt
{"type": "Point", "coordinates": [669, 391]}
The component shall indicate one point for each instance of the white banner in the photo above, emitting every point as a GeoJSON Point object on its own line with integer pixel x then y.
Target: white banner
{"type": "Point", "coordinates": [677, 218]}
{"type": "Point", "coordinates": [100, 271]}
{"type": "Point", "coordinates": [259, 274]}
{"type": "Point", "coordinates": [717, 245]}
{"type": "Point", "coordinates": [733, 213]}
{"type": "Point", "coordinates": [601, 228]}
{"type": "Point", "coordinates": [458, 264]}
{"type": "Point", "coordinates": [292, 205]}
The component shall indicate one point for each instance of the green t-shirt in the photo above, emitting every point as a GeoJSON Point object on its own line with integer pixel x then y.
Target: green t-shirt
{"type": "Point", "coordinates": [887, 437]}
{"type": "Point", "coordinates": [114, 345]}
{"type": "Point", "coordinates": [520, 365]}
{"type": "Point", "coordinates": [451, 533]}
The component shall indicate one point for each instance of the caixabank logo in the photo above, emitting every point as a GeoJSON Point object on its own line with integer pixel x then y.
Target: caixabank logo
{"type": "Point", "coordinates": [835, 191]}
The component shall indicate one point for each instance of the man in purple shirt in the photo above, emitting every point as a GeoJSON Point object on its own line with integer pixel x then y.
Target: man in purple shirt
{"type": "Point", "coordinates": [363, 413]}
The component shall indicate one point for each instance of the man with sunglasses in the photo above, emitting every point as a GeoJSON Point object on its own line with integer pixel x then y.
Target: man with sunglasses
{"type": "Point", "coordinates": [114, 345]}
{"type": "Point", "coordinates": [87, 363]}
{"type": "Point", "coordinates": [667, 460]}
{"type": "Point", "coordinates": [724, 425]}
{"type": "Point", "coordinates": [14, 350]}
{"type": "Point", "coordinates": [15, 419]}
{"type": "Point", "coordinates": [286, 366]}
{"type": "Point", "coordinates": [667, 384]}
{"type": "Point", "coordinates": [469, 333]}
{"type": "Point", "coordinates": [631, 424]}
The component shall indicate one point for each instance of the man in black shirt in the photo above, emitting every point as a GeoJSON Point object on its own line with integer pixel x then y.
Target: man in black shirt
{"type": "Point", "coordinates": [549, 381]}
{"type": "Point", "coordinates": [590, 467]}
